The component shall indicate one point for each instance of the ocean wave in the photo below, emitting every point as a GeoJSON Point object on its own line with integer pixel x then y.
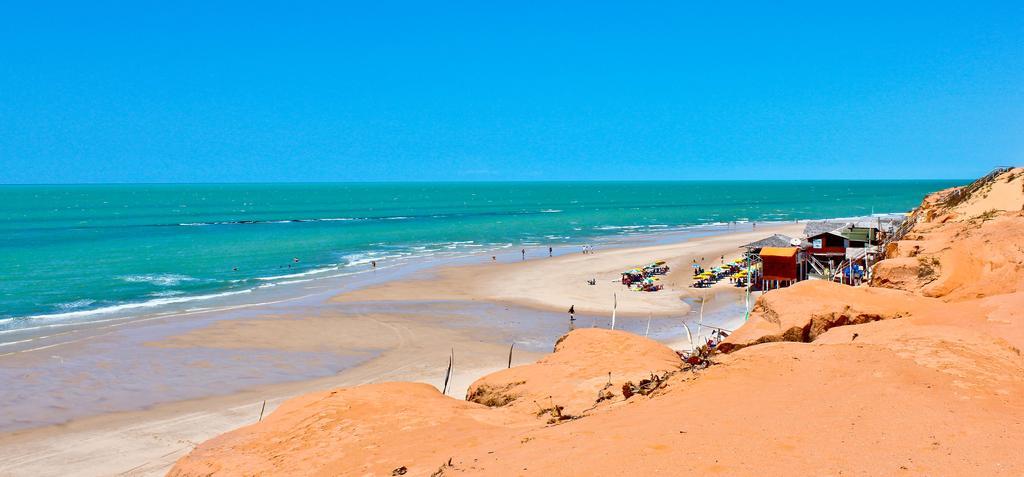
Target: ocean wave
{"type": "Point", "coordinates": [619, 227]}
{"type": "Point", "coordinates": [300, 274]}
{"type": "Point", "coordinates": [134, 305]}
{"type": "Point", "coordinates": [285, 221]}
{"type": "Point", "coordinates": [281, 221]}
{"type": "Point", "coordinates": [9, 343]}
{"type": "Point", "coordinates": [290, 282]}
{"type": "Point", "coordinates": [166, 293]}
{"type": "Point", "coordinates": [159, 279]}
{"type": "Point", "coordinates": [74, 305]}
{"type": "Point", "coordinates": [354, 259]}
{"type": "Point", "coordinates": [345, 219]}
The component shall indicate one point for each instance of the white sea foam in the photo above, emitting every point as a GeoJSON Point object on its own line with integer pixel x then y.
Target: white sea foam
{"type": "Point", "coordinates": [300, 274]}
{"type": "Point", "coordinates": [159, 279]}
{"type": "Point", "coordinates": [166, 293]}
{"type": "Point", "coordinates": [16, 342]}
{"type": "Point", "coordinates": [289, 282]}
{"type": "Point", "coordinates": [285, 221]}
{"type": "Point", "coordinates": [74, 305]}
{"type": "Point", "coordinates": [354, 259]}
{"type": "Point", "coordinates": [136, 305]}
{"type": "Point", "coordinates": [619, 227]}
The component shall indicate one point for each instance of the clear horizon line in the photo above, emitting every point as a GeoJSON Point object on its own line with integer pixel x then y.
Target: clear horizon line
{"type": "Point", "coordinates": [476, 181]}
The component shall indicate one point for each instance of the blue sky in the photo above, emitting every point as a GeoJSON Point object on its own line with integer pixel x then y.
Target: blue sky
{"type": "Point", "coordinates": [370, 91]}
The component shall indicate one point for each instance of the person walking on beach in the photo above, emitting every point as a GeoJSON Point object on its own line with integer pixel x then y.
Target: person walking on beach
{"type": "Point", "coordinates": [572, 313]}
{"type": "Point", "coordinates": [550, 251]}
{"type": "Point", "coordinates": [524, 254]}
{"type": "Point", "coordinates": [373, 263]}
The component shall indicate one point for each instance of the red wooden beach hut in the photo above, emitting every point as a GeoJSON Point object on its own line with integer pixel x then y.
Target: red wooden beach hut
{"type": "Point", "coordinates": [780, 263]}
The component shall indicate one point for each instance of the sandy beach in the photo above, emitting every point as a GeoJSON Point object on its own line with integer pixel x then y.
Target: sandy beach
{"type": "Point", "coordinates": [401, 330]}
{"type": "Point", "coordinates": [148, 442]}
{"type": "Point", "coordinates": [556, 283]}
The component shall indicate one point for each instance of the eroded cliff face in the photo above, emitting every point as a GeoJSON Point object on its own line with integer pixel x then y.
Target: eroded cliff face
{"type": "Point", "coordinates": [808, 309]}
{"type": "Point", "coordinates": [589, 366]}
{"type": "Point", "coordinates": [959, 252]}
{"type": "Point", "coordinates": [970, 250]}
{"type": "Point", "coordinates": [920, 375]}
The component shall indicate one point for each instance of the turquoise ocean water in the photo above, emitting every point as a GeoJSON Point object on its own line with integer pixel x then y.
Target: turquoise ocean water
{"type": "Point", "coordinates": [75, 252]}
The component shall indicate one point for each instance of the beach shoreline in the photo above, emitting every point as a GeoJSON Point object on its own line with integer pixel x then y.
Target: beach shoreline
{"type": "Point", "coordinates": [555, 284]}
{"type": "Point", "coordinates": [151, 439]}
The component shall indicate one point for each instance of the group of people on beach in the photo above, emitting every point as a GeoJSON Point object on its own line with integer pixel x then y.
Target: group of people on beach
{"type": "Point", "coordinates": [551, 252]}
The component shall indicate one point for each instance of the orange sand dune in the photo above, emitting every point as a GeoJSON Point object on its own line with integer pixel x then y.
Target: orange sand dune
{"type": "Point", "coordinates": [945, 401]}
{"type": "Point", "coordinates": [804, 311]}
{"type": "Point", "coordinates": [920, 375]}
{"type": "Point", "coordinates": [971, 250]}
{"type": "Point", "coordinates": [586, 363]}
